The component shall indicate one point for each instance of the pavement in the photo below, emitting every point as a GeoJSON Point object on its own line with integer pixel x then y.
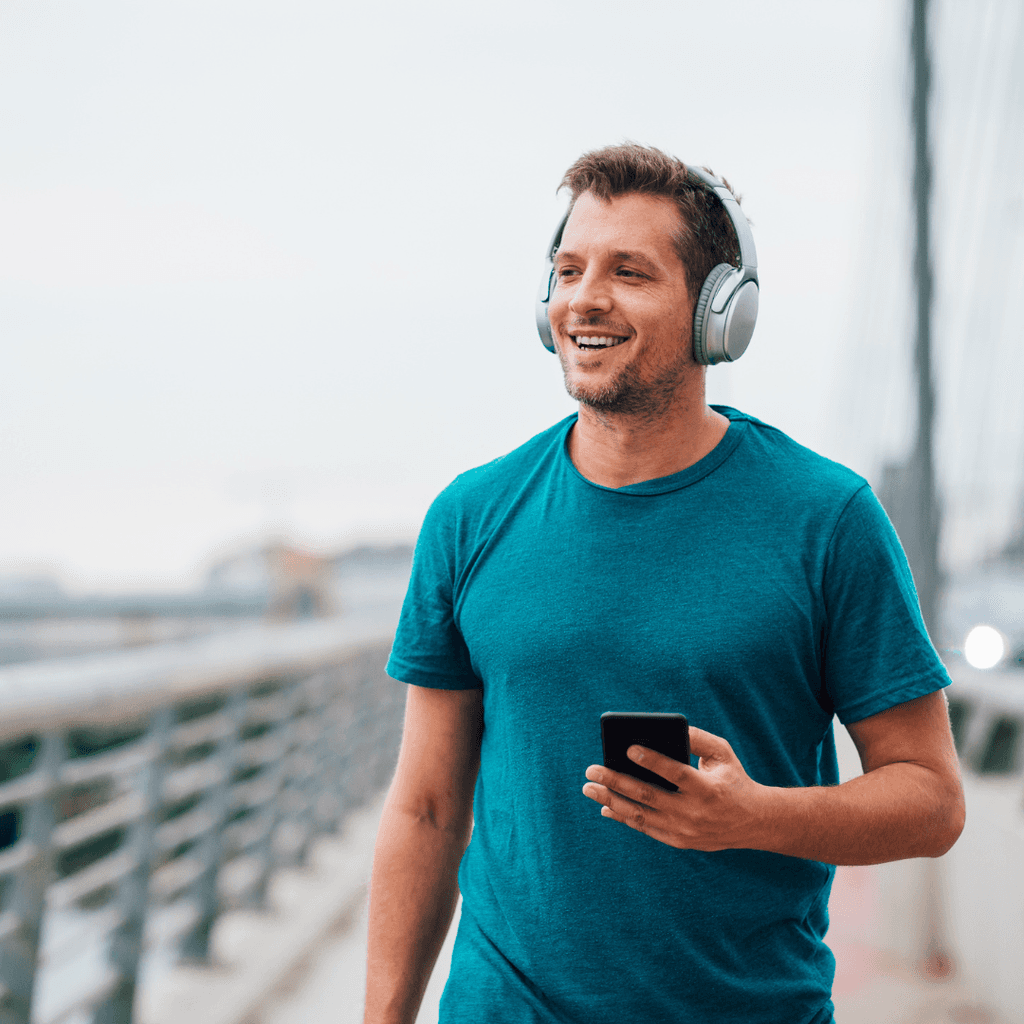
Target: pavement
{"type": "Point", "coordinates": [262, 959]}
{"type": "Point", "coordinates": [331, 991]}
{"type": "Point", "coordinates": [875, 987]}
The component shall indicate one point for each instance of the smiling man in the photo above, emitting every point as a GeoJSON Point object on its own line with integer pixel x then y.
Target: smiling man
{"type": "Point", "coordinates": [649, 553]}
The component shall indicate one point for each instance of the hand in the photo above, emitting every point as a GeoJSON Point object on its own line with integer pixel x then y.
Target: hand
{"type": "Point", "coordinates": [716, 807]}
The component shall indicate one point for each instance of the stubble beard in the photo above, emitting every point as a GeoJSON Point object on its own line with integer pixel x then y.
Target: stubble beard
{"type": "Point", "coordinates": [628, 393]}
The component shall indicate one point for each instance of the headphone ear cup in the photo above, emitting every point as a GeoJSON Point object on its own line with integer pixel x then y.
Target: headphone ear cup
{"type": "Point", "coordinates": [702, 313]}
{"type": "Point", "coordinates": [541, 310]}
{"type": "Point", "coordinates": [547, 286]}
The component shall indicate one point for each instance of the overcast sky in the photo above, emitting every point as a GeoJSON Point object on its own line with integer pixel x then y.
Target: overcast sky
{"type": "Point", "coordinates": [270, 268]}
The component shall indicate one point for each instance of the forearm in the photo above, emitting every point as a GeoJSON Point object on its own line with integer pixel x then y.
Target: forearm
{"type": "Point", "coordinates": [894, 812]}
{"type": "Point", "coordinates": [908, 803]}
{"type": "Point", "coordinates": [413, 892]}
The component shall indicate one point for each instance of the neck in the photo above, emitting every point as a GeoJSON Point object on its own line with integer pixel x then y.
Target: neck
{"type": "Point", "coordinates": [616, 450]}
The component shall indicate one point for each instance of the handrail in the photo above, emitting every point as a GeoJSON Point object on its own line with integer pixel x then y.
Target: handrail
{"type": "Point", "coordinates": [170, 783]}
{"type": "Point", "coordinates": [94, 688]}
{"type": "Point", "coordinates": [987, 714]}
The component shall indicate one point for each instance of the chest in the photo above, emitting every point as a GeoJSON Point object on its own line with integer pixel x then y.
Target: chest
{"type": "Point", "coordinates": [663, 587]}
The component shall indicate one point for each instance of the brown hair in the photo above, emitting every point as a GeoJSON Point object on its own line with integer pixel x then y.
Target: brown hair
{"type": "Point", "coordinates": [706, 236]}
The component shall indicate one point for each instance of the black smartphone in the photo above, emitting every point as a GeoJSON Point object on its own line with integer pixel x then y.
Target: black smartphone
{"type": "Point", "coordinates": [665, 732]}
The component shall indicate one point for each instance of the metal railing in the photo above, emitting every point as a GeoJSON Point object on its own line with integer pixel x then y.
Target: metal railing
{"type": "Point", "coordinates": [986, 710]}
{"type": "Point", "coordinates": [142, 794]}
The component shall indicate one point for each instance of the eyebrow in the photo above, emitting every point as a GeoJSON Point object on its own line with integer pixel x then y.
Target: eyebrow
{"type": "Point", "coordinates": [620, 256]}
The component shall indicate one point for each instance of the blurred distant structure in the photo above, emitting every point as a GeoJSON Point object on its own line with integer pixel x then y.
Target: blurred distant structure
{"type": "Point", "coordinates": [930, 409]}
{"type": "Point", "coordinates": [979, 208]}
{"type": "Point", "coordinates": [276, 582]}
{"type": "Point", "coordinates": [908, 489]}
{"type": "Point", "coordinates": [290, 582]}
{"type": "Point", "coordinates": [975, 250]}
{"type": "Point", "coordinates": [294, 583]}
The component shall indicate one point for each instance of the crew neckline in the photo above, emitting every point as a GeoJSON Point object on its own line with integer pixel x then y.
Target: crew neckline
{"type": "Point", "coordinates": [674, 481]}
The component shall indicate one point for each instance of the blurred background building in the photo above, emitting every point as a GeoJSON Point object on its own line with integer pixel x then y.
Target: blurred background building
{"type": "Point", "coordinates": [273, 582]}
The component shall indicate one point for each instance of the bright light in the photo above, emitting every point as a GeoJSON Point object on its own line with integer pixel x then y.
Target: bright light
{"type": "Point", "coordinates": [984, 647]}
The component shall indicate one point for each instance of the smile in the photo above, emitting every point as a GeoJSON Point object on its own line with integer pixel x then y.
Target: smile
{"type": "Point", "coordinates": [582, 341]}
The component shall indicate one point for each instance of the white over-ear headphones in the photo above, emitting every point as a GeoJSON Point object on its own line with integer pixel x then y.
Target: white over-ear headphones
{"type": "Point", "coordinates": [726, 309]}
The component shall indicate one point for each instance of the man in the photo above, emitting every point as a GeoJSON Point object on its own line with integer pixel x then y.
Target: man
{"type": "Point", "coordinates": [649, 554]}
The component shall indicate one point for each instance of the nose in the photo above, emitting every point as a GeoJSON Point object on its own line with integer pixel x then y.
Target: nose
{"type": "Point", "coordinates": [591, 295]}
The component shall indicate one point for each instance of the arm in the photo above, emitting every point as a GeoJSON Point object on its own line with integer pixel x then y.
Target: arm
{"type": "Point", "coordinates": [423, 832]}
{"type": "Point", "coordinates": [908, 803]}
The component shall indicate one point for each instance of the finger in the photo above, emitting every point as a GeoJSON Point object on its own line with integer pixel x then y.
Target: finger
{"type": "Point", "coordinates": [649, 825]}
{"type": "Point", "coordinates": [640, 823]}
{"type": "Point", "coordinates": [661, 764]}
{"type": "Point", "coordinates": [637, 791]}
{"type": "Point", "coordinates": [639, 817]}
{"type": "Point", "coordinates": [709, 747]}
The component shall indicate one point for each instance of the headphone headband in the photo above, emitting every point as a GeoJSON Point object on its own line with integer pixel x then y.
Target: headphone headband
{"type": "Point", "coordinates": [748, 254]}
{"type": "Point", "coordinates": [726, 308]}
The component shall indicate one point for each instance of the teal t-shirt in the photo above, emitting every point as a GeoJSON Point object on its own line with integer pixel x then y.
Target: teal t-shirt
{"type": "Point", "coordinates": [758, 592]}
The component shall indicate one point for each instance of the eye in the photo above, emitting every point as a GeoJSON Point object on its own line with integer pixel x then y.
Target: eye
{"type": "Point", "coordinates": [626, 272]}
{"type": "Point", "coordinates": [566, 272]}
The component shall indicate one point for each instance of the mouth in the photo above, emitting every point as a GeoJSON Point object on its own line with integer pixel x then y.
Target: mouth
{"type": "Point", "coordinates": [587, 342]}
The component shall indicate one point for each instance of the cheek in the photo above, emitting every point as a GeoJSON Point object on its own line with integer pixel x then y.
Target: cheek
{"type": "Point", "coordinates": [557, 305]}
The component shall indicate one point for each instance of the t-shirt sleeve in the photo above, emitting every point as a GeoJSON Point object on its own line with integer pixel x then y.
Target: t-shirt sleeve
{"type": "Point", "coordinates": [429, 650]}
{"type": "Point", "coordinates": [877, 652]}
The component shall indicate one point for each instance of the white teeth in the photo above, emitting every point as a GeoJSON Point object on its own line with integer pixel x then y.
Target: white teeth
{"type": "Point", "coordinates": [595, 342]}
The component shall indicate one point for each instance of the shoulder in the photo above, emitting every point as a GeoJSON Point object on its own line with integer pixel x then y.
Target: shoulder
{"type": "Point", "coordinates": [781, 463]}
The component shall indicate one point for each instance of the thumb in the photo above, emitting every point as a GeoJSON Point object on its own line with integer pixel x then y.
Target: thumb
{"type": "Point", "coordinates": [711, 749]}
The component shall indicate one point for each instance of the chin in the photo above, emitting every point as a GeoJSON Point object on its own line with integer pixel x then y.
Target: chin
{"type": "Point", "coordinates": [626, 394]}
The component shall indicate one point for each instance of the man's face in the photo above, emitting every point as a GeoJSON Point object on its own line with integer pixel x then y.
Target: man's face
{"type": "Point", "coordinates": [621, 313]}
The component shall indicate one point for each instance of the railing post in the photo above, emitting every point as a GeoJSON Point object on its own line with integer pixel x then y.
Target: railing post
{"type": "Point", "coordinates": [125, 949]}
{"type": "Point", "coordinates": [342, 715]}
{"type": "Point", "coordinates": [360, 740]}
{"type": "Point", "coordinates": [286, 842]}
{"type": "Point", "coordinates": [19, 950]}
{"type": "Point", "coordinates": [299, 796]}
{"type": "Point", "coordinates": [195, 943]}
{"type": "Point", "coordinates": [379, 704]}
{"type": "Point", "coordinates": [263, 850]}
{"type": "Point", "coordinates": [324, 803]}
